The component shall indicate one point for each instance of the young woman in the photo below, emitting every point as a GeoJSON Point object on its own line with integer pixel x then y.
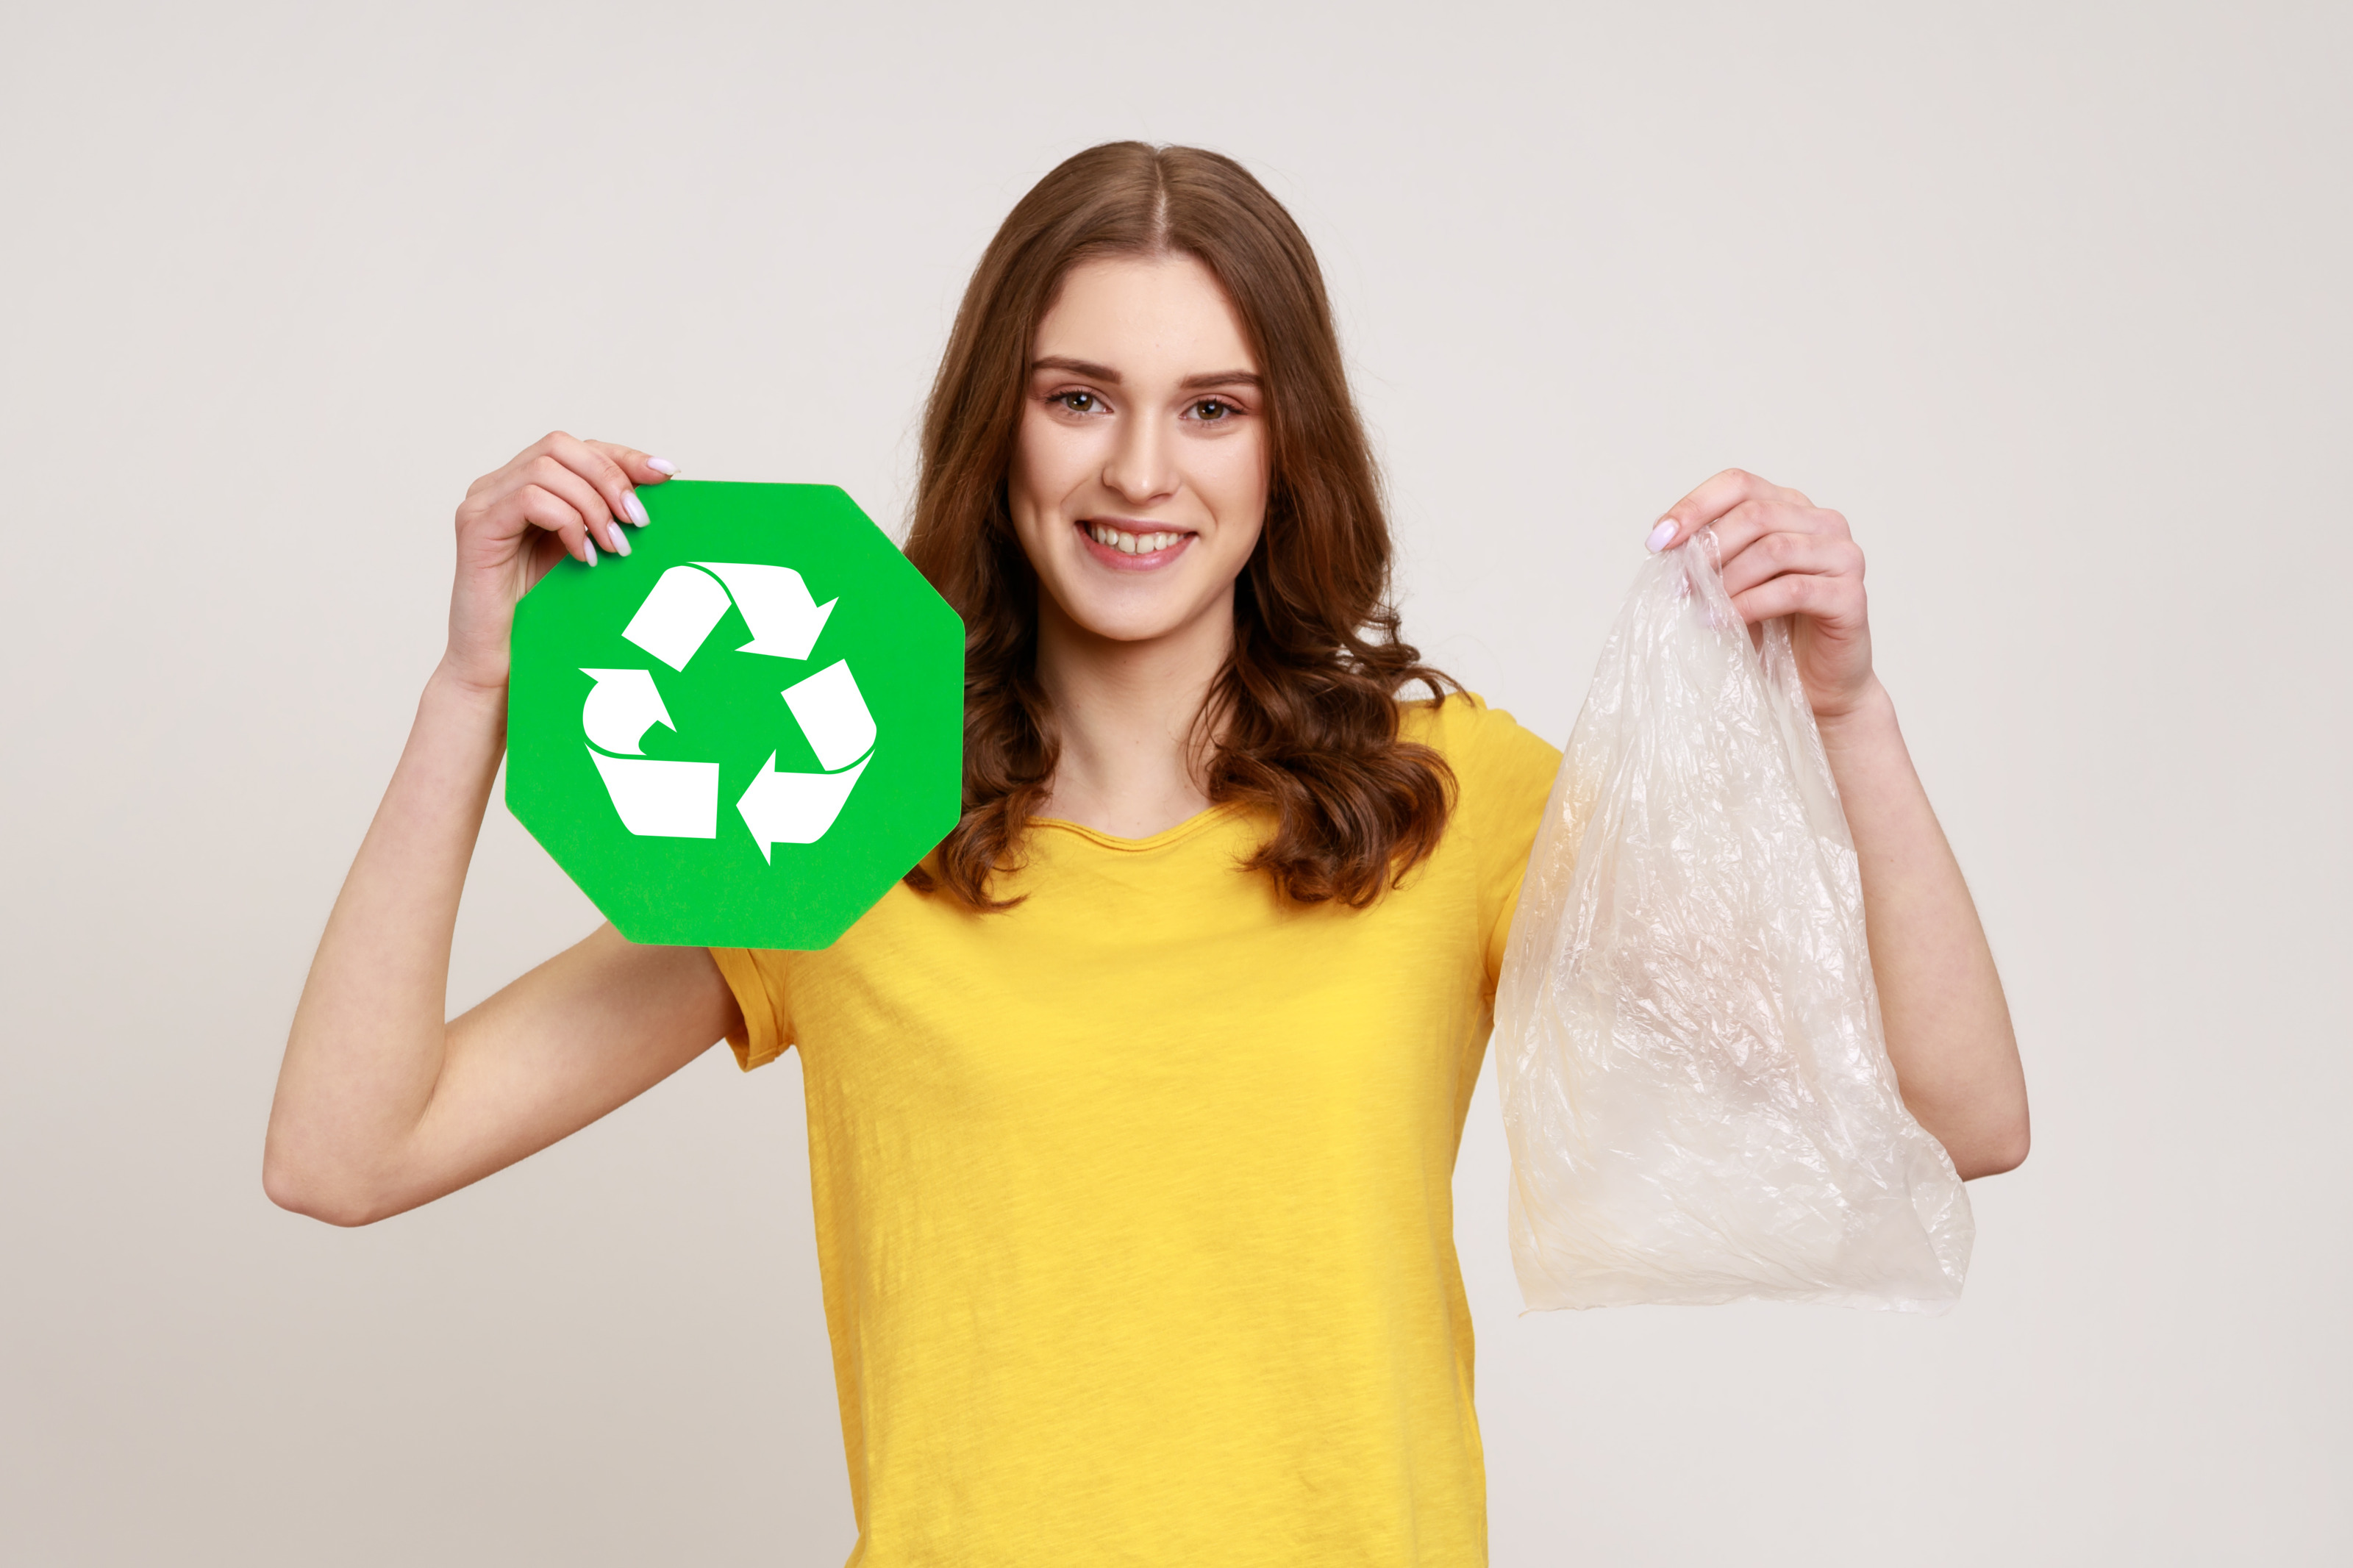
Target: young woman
{"type": "Point", "coordinates": [1132, 1113]}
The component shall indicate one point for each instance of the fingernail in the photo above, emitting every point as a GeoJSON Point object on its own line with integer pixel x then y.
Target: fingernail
{"type": "Point", "coordinates": [620, 541]}
{"type": "Point", "coordinates": [589, 545]}
{"type": "Point", "coordinates": [1661, 535]}
{"type": "Point", "coordinates": [661, 466]}
{"type": "Point", "coordinates": [637, 508]}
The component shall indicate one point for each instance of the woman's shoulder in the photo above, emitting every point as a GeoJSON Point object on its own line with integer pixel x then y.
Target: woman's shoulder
{"type": "Point", "coordinates": [1485, 747]}
{"type": "Point", "coordinates": [1504, 774]}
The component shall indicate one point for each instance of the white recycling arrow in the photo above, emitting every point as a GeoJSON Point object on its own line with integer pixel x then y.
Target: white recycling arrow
{"type": "Point", "coordinates": [793, 808]}
{"type": "Point", "coordinates": [685, 604]}
{"type": "Point", "coordinates": [622, 706]}
{"type": "Point", "coordinates": [833, 715]}
{"type": "Point", "coordinates": [785, 620]}
{"type": "Point", "coordinates": [798, 809]}
{"type": "Point", "coordinates": [688, 601]}
{"type": "Point", "coordinates": [657, 798]}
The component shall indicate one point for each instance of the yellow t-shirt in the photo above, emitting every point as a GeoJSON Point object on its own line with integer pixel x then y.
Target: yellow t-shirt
{"type": "Point", "coordinates": [1135, 1205]}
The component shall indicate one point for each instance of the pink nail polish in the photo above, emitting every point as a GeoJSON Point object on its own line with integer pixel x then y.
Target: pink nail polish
{"type": "Point", "coordinates": [661, 464]}
{"type": "Point", "coordinates": [1661, 536]}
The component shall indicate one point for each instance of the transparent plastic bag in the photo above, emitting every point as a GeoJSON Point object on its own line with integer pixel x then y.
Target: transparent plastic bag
{"type": "Point", "coordinates": [1694, 1083]}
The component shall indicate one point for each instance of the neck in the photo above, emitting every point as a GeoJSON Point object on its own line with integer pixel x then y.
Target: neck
{"type": "Point", "coordinates": [1132, 764]}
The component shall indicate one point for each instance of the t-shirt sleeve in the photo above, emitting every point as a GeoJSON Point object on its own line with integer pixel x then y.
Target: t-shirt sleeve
{"type": "Point", "coordinates": [758, 981]}
{"type": "Point", "coordinates": [1504, 774]}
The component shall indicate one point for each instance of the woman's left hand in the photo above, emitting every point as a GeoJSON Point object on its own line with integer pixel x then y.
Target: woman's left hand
{"type": "Point", "coordinates": [1783, 556]}
{"type": "Point", "coordinates": [1948, 1034]}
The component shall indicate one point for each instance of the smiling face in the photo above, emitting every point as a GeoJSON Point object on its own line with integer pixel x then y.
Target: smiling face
{"type": "Point", "coordinates": [1139, 477]}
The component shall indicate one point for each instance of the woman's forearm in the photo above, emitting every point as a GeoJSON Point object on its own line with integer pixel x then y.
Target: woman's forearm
{"type": "Point", "coordinates": [369, 1037]}
{"type": "Point", "coordinates": [1949, 1030]}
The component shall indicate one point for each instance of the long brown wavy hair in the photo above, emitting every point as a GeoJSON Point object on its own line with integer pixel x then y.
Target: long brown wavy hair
{"type": "Point", "coordinates": [1303, 722]}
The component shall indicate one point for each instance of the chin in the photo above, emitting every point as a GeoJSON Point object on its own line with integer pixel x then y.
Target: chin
{"type": "Point", "coordinates": [1129, 622]}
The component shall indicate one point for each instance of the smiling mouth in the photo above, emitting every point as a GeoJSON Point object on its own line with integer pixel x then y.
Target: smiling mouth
{"type": "Point", "coordinates": [1133, 547]}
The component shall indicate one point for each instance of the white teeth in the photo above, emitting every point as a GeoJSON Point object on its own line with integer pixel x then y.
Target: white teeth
{"type": "Point", "coordinates": [1130, 544]}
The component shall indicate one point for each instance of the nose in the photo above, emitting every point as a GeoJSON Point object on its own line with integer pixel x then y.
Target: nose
{"type": "Point", "coordinates": [1143, 467]}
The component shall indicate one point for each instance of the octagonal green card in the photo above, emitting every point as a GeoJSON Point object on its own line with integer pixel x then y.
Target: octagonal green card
{"type": "Point", "coordinates": [743, 731]}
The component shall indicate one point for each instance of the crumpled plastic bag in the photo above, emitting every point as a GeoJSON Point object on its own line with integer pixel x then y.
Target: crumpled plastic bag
{"type": "Point", "coordinates": [1695, 1082]}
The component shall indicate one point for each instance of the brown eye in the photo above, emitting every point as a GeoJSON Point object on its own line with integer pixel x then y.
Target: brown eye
{"type": "Point", "coordinates": [1077, 402]}
{"type": "Point", "coordinates": [1211, 409]}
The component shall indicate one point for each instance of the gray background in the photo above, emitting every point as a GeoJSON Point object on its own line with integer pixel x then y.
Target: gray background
{"type": "Point", "coordinates": [2050, 301]}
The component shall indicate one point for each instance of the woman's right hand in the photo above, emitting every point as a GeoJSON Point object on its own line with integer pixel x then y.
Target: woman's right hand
{"type": "Point", "coordinates": [383, 1102]}
{"type": "Point", "coordinates": [560, 495]}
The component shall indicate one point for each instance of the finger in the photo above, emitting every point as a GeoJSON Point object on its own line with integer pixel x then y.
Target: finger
{"type": "Point", "coordinates": [1713, 499]}
{"type": "Point", "coordinates": [1775, 554]}
{"type": "Point", "coordinates": [544, 508]}
{"type": "Point", "coordinates": [549, 472]}
{"type": "Point", "coordinates": [601, 473]}
{"type": "Point", "coordinates": [1756, 549]}
{"type": "Point", "coordinates": [1834, 601]}
{"type": "Point", "coordinates": [616, 470]}
{"type": "Point", "coordinates": [642, 469]}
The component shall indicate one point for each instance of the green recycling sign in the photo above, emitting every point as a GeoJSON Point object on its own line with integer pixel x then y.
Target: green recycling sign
{"type": "Point", "coordinates": [743, 731]}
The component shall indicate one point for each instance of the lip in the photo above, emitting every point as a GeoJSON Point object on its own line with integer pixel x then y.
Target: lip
{"type": "Point", "coordinates": [1119, 563]}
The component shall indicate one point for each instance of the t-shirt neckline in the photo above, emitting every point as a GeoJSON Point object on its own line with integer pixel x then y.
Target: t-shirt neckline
{"type": "Point", "coordinates": [1162, 839]}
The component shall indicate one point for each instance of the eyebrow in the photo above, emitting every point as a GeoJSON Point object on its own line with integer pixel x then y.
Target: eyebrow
{"type": "Point", "coordinates": [1110, 377]}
